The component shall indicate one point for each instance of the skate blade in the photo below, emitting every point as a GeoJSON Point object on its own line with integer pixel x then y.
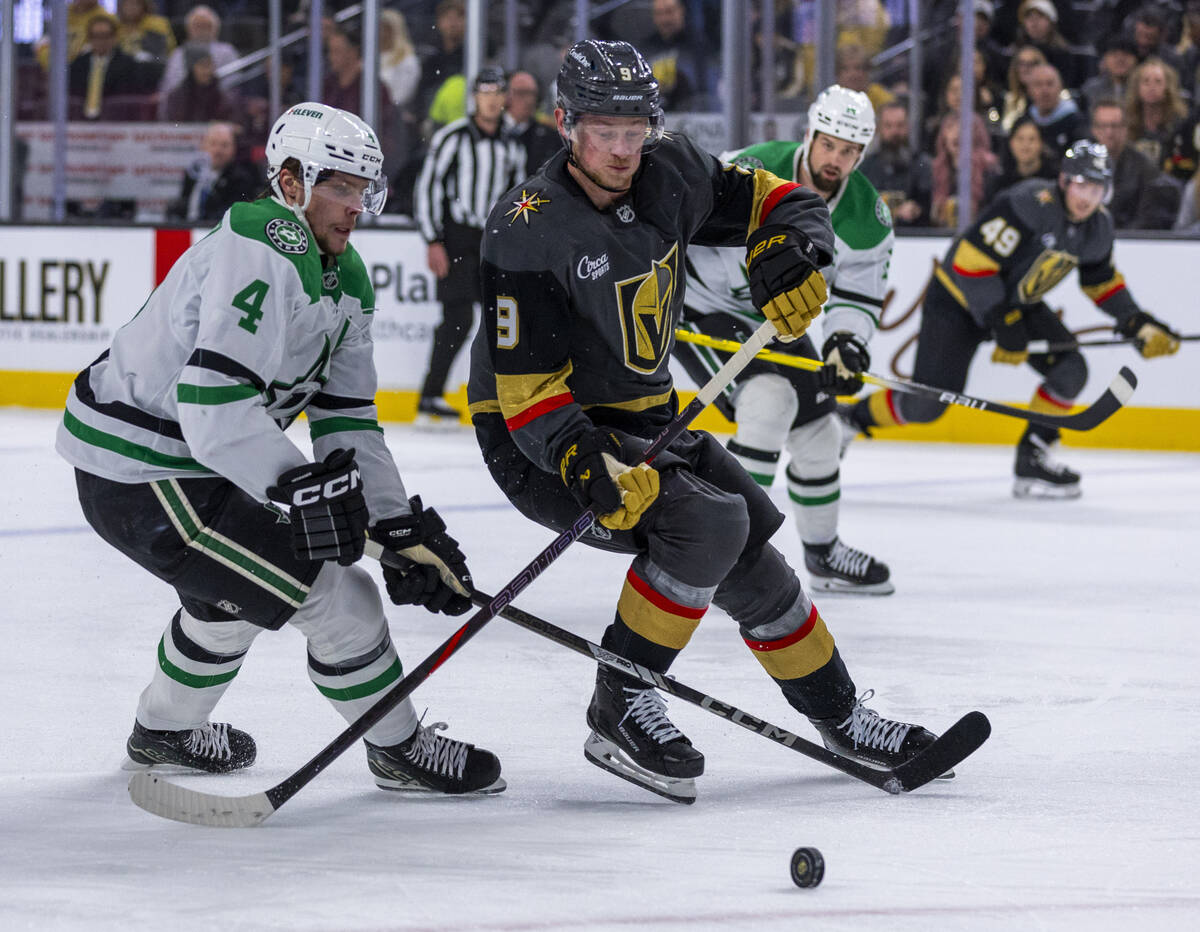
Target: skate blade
{"type": "Point", "coordinates": [417, 788]}
{"type": "Point", "coordinates": [608, 756]}
{"type": "Point", "coordinates": [844, 587]}
{"type": "Point", "coordinates": [1036, 488]}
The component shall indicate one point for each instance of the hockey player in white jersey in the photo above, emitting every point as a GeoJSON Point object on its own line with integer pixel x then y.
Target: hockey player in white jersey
{"type": "Point", "coordinates": [776, 406]}
{"type": "Point", "coordinates": [177, 437]}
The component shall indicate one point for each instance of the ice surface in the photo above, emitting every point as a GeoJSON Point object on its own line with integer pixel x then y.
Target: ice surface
{"type": "Point", "coordinates": [1071, 624]}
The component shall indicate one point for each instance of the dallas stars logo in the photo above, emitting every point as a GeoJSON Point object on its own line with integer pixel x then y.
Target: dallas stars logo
{"type": "Point", "coordinates": [528, 204]}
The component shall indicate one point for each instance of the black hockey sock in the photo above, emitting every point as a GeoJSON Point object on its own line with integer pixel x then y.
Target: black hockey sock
{"type": "Point", "coordinates": [825, 693]}
{"type": "Point", "coordinates": [621, 639]}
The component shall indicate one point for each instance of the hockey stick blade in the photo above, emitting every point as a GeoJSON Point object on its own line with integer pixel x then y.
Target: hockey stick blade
{"type": "Point", "coordinates": [171, 801]}
{"type": "Point", "coordinates": [961, 740]}
{"type": "Point", "coordinates": [1114, 397]}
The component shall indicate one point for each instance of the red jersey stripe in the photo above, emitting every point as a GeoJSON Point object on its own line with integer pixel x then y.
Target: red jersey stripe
{"type": "Point", "coordinates": [533, 412]}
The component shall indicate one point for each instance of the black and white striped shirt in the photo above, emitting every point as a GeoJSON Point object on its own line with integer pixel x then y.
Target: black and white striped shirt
{"type": "Point", "coordinates": [464, 174]}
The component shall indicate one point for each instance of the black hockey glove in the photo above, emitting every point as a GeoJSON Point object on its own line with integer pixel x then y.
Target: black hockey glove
{"type": "Point", "coordinates": [1154, 338]}
{"type": "Point", "coordinates": [435, 573]}
{"type": "Point", "coordinates": [846, 359]}
{"type": "Point", "coordinates": [781, 264]}
{"type": "Point", "coordinates": [326, 506]}
{"type": "Point", "coordinates": [620, 494]}
{"type": "Point", "coordinates": [1012, 339]}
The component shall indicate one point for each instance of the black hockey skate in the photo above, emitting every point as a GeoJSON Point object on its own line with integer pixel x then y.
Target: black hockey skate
{"type": "Point", "coordinates": [429, 763]}
{"type": "Point", "coordinates": [838, 568]}
{"type": "Point", "coordinates": [1039, 475]}
{"type": "Point", "coordinates": [633, 738]}
{"type": "Point", "coordinates": [214, 747]}
{"type": "Point", "coordinates": [434, 411]}
{"type": "Point", "coordinates": [867, 737]}
{"type": "Point", "coordinates": [849, 422]}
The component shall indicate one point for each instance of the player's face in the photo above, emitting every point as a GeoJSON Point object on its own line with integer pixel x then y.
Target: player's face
{"type": "Point", "coordinates": [489, 103]}
{"type": "Point", "coordinates": [1082, 198]}
{"type": "Point", "coordinates": [333, 210]}
{"type": "Point", "coordinates": [830, 160]}
{"type": "Point", "coordinates": [609, 149]}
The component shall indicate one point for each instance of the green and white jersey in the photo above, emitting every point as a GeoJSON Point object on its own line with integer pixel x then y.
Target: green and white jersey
{"type": "Point", "coordinates": [857, 279]}
{"type": "Point", "coordinates": [251, 326]}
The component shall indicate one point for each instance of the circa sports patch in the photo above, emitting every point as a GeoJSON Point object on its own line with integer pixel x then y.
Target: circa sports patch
{"type": "Point", "coordinates": [287, 236]}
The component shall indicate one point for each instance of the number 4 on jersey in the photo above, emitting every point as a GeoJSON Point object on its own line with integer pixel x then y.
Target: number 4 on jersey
{"type": "Point", "coordinates": [249, 300]}
{"type": "Point", "coordinates": [1000, 236]}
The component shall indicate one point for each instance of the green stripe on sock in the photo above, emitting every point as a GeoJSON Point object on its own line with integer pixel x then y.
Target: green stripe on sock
{"type": "Point", "coordinates": [191, 679]}
{"type": "Point", "coordinates": [370, 687]}
{"type": "Point", "coordinates": [818, 500]}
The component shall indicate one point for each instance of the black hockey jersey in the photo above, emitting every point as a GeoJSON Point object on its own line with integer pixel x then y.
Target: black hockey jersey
{"type": "Point", "coordinates": [580, 305]}
{"type": "Point", "coordinates": [1022, 246]}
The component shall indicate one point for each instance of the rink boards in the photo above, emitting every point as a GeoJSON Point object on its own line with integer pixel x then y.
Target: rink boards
{"type": "Point", "coordinates": [65, 290]}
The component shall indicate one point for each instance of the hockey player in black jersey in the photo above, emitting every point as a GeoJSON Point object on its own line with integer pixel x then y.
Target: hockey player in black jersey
{"type": "Point", "coordinates": [582, 281]}
{"type": "Point", "coordinates": [992, 284]}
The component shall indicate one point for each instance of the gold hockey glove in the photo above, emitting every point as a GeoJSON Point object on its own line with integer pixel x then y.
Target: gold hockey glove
{"type": "Point", "coordinates": [620, 494]}
{"type": "Point", "coordinates": [1012, 339]}
{"type": "Point", "coordinates": [785, 284]}
{"type": "Point", "coordinates": [1154, 338]}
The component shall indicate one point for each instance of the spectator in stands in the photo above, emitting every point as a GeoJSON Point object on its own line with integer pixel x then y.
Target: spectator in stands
{"type": "Point", "coordinates": [198, 98]}
{"type": "Point", "coordinates": [943, 52]}
{"type": "Point", "coordinates": [1142, 198]}
{"type": "Point", "coordinates": [950, 103]}
{"type": "Point", "coordinates": [399, 67]}
{"type": "Point", "coordinates": [442, 60]}
{"type": "Point", "coordinates": [342, 87]}
{"type": "Point", "coordinates": [852, 69]}
{"type": "Point", "coordinates": [143, 34]}
{"type": "Point", "coordinates": [901, 174]}
{"type": "Point", "coordinates": [1039, 27]}
{"type": "Point", "coordinates": [789, 68]}
{"type": "Point", "coordinates": [1155, 109]}
{"type": "Point", "coordinates": [1189, 49]}
{"type": "Point", "coordinates": [104, 71]}
{"type": "Point", "coordinates": [1188, 219]}
{"type": "Point", "coordinates": [1150, 37]}
{"type": "Point", "coordinates": [201, 24]}
{"type": "Point", "coordinates": [80, 14]}
{"type": "Point", "coordinates": [1016, 97]}
{"type": "Point", "coordinates": [945, 170]}
{"type": "Point", "coordinates": [1057, 115]}
{"type": "Point", "coordinates": [676, 55]}
{"type": "Point", "coordinates": [1025, 156]}
{"type": "Point", "coordinates": [1117, 61]}
{"type": "Point", "coordinates": [217, 180]}
{"type": "Point", "coordinates": [539, 139]}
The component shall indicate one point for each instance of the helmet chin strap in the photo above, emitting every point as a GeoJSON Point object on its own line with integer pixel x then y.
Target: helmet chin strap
{"type": "Point", "coordinates": [297, 210]}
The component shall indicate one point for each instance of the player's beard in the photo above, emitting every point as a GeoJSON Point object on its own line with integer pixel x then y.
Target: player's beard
{"type": "Point", "coordinates": [823, 185]}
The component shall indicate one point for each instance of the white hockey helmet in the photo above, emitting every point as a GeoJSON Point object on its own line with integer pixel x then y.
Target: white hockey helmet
{"type": "Point", "coordinates": [325, 139]}
{"type": "Point", "coordinates": [843, 113]}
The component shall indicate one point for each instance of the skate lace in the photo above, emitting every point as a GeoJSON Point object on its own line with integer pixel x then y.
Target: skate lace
{"type": "Point", "coordinates": [209, 740]}
{"type": "Point", "coordinates": [843, 559]}
{"type": "Point", "coordinates": [1043, 455]}
{"type": "Point", "coordinates": [867, 727]}
{"type": "Point", "coordinates": [436, 754]}
{"type": "Point", "coordinates": [649, 710]}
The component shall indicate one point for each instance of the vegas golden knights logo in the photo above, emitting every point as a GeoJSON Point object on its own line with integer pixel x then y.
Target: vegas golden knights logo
{"type": "Point", "coordinates": [1048, 269]}
{"type": "Point", "coordinates": [644, 302]}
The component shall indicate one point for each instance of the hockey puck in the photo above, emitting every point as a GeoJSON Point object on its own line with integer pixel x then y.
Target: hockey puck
{"type": "Point", "coordinates": [808, 867]}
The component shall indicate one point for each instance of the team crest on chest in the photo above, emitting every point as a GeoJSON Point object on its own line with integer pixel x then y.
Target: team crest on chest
{"type": "Point", "coordinates": [287, 236]}
{"type": "Point", "coordinates": [528, 204]}
{"type": "Point", "coordinates": [644, 303]}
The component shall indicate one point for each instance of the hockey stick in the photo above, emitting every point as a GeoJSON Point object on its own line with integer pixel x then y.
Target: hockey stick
{"type": "Point", "coordinates": [961, 740]}
{"type": "Point", "coordinates": [171, 801]}
{"type": "Point", "coordinates": [1119, 391]}
{"type": "Point", "coordinates": [1045, 346]}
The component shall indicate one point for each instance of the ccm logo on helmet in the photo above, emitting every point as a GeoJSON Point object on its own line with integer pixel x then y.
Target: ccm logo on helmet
{"type": "Point", "coordinates": [328, 491]}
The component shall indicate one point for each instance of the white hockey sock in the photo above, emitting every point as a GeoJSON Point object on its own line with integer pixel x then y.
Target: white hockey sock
{"type": "Point", "coordinates": [197, 660]}
{"type": "Point", "coordinates": [814, 485]}
{"type": "Point", "coordinates": [765, 406]}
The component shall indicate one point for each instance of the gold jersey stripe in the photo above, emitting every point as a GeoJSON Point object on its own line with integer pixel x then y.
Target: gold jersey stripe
{"type": "Point", "coordinates": [516, 393]}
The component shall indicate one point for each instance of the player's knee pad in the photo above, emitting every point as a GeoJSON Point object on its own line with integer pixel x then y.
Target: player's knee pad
{"type": "Point", "coordinates": [760, 588]}
{"type": "Point", "coordinates": [218, 637]}
{"type": "Point", "coordinates": [918, 409]}
{"type": "Point", "coordinates": [815, 447]}
{"type": "Point", "coordinates": [343, 614]}
{"type": "Point", "coordinates": [1067, 377]}
{"type": "Point", "coordinates": [699, 531]}
{"type": "Point", "coordinates": [765, 405]}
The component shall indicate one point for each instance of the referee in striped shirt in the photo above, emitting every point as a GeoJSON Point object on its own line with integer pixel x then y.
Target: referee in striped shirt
{"type": "Point", "coordinates": [470, 163]}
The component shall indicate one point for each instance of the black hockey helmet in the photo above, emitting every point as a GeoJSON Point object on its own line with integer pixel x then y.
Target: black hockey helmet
{"type": "Point", "coordinates": [1087, 161]}
{"type": "Point", "coordinates": [609, 79]}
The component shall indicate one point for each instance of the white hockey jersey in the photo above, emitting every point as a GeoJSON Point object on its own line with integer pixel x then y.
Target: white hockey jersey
{"type": "Point", "coordinates": [251, 326]}
{"type": "Point", "coordinates": [857, 279]}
